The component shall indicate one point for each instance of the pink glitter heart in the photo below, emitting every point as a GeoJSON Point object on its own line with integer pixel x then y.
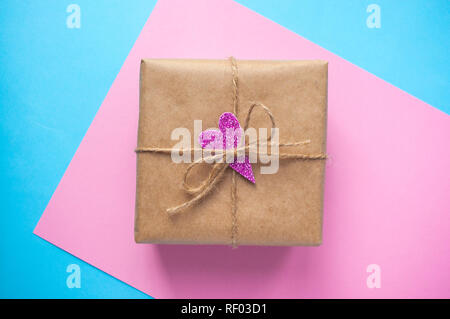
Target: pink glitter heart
{"type": "Point", "coordinates": [227, 137]}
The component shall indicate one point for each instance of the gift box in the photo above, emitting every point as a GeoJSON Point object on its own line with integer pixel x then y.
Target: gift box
{"type": "Point", "coordinates": [282, 208]}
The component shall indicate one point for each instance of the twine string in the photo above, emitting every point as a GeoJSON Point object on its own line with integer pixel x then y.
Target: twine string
{"type": "Point", "coordinates": [235, 96]}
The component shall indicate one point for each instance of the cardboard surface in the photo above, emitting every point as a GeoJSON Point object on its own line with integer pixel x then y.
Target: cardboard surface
{"type": "Point", "coordinates": [386, 195]}
{"type": "Point", "coordinates": [174, 93]}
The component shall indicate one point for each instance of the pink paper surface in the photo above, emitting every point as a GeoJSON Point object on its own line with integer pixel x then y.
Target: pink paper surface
{"type": "Point", "coordinates": [387, 182]}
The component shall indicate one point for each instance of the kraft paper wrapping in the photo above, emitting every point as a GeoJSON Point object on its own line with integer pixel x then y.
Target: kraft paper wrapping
{"type": "Point", "coordinates": [280, 209]}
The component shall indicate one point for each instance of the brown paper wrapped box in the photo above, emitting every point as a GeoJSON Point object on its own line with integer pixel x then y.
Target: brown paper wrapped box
{"type": "Point", "coordinates": [279, 209]}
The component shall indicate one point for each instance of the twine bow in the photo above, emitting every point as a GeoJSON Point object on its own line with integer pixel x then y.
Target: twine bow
{"type": "Point", "coordinates": [219, 167]}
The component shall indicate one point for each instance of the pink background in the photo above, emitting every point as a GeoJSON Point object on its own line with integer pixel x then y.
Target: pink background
{"type": "Point", "coordinates": [387, 182]}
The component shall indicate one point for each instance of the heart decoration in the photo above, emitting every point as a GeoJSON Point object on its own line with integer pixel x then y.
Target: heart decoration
{"type": "Point", "coordinates": [227, 137]}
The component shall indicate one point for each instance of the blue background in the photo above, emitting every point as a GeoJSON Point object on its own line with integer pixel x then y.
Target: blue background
{"type": "Point", "coordinates": [53, 80]}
